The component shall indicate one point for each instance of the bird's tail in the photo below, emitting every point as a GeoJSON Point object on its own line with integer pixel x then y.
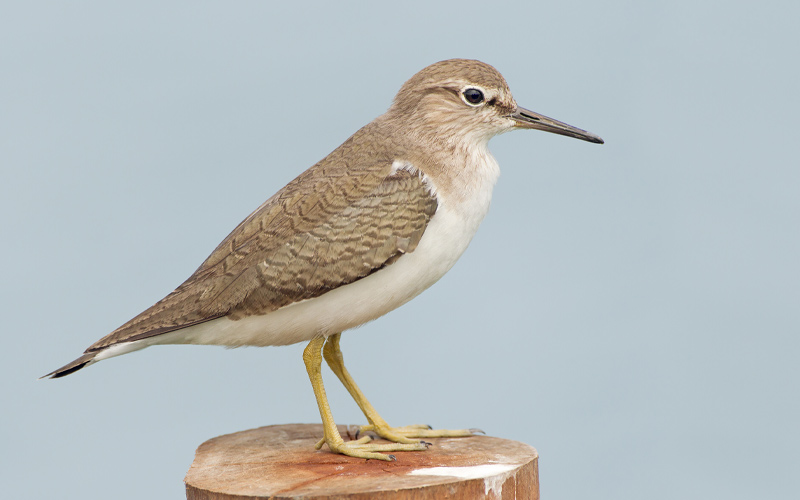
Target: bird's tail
{"type": "Point", "coordinates": [72, 367]}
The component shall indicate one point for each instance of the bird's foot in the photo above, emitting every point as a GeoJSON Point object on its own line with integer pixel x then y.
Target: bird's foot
{"type": "Point", "coordinates": [409, 433]}
{"type": "Point", "coordinates": [363, 448]}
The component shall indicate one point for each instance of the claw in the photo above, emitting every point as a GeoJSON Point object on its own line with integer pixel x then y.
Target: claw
{"type": "Point", "coordinates": [477, 431]}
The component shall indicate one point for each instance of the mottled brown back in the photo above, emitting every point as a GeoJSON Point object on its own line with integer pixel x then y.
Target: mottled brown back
{"type": "Point", "coordinates": [341, 220]}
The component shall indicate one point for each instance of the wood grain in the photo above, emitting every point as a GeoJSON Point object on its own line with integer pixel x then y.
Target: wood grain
{"type": "Point", "coordinates": [280, 462]}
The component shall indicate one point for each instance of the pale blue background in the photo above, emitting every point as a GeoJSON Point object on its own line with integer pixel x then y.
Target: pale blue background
{"type": "Point", "coordinates": [629, 309]}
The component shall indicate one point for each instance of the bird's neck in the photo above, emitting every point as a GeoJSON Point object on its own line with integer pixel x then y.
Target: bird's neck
{"type": "Point", "coordinates": [463, 170]}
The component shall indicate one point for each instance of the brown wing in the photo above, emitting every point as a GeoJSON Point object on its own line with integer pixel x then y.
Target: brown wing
{"type": "Point", "coordinates": [331, 226]}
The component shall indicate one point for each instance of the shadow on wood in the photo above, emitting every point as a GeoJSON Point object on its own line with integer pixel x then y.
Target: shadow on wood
{"type": "Point", "coordinates": [280, 462]}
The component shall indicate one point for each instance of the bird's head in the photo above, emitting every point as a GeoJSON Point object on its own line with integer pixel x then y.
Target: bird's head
{"type": "Point", "coordinates": [462, 99]}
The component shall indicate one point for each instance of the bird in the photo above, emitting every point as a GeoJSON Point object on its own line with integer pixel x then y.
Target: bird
{"type": "Point", "coordinates": [363, 231]}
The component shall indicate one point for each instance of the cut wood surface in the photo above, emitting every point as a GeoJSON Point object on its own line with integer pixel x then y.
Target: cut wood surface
{"type": "Point", "coordinates": [280, 462]}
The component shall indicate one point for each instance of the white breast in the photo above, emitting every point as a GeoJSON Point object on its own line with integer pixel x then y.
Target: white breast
{"type": "Point", "coordinates": [447, 236]}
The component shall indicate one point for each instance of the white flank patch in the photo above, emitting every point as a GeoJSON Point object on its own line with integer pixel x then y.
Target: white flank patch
{"type": "Point", "coordinates": [398, 165]}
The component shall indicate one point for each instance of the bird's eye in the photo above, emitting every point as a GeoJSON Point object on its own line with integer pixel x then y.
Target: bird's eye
{"type": "Point", "coordinates": [473, 96]}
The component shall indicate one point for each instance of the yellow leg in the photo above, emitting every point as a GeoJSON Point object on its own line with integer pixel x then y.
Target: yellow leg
{"type": "Point", "coordinates": [359, 448]}
{"type": "Point", "coordinates": [333, 355]}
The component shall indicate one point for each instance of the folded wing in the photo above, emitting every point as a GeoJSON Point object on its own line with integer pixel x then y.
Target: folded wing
{"type": "Point", "coordinates": [333, 225]}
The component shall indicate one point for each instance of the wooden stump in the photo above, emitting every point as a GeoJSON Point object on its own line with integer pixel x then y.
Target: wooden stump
{"type": "Point", "coordinates": [280, 461]}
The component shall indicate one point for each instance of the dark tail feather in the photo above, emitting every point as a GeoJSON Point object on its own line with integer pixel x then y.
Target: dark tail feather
{"type": "Point", "coordinates": [72, 367]}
